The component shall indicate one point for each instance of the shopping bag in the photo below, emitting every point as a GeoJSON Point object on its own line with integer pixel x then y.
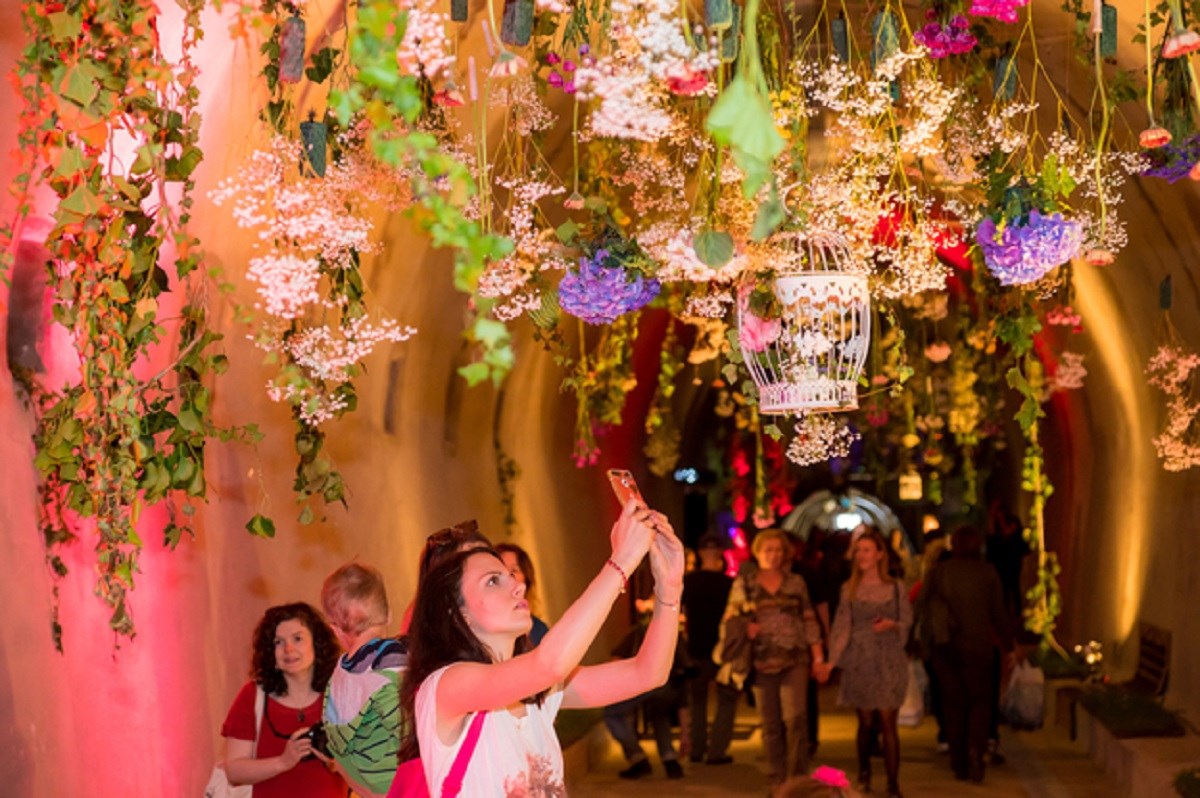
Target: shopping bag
{"type": "Point", "coordinates": [219, 787]}
{"type": "Point", "coordinates": [1024, 703]}
{"type": "Point", "coordinates": [912, 711]}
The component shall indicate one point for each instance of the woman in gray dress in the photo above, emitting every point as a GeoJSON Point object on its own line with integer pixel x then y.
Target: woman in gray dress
{"type": "Point", "coordinates": [867, 643]}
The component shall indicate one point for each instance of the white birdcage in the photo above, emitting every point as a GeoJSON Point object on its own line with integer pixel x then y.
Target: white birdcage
{"type": "Point", "coordinates": [810, 358]}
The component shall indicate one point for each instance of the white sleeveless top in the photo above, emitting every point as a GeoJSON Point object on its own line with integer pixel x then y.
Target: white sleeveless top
{"type": "Point", "coordinates": [514, 756]}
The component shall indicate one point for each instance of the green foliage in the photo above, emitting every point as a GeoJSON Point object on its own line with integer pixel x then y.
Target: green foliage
{"type": "Point", "coordinates": [741, 118]}
{"type": "Point", "coordinates": [601, 381]}
{"type": "Point", "coordinates": [261, 527]}
{"type": "Point", "coordinates": [116, 442]}
{"type": "Point", "coordinates": [1126, 713]}
{"type": "Point", "coordinates": [1018, 331]}
{"type": "Point", "coordinates": [714, 248]}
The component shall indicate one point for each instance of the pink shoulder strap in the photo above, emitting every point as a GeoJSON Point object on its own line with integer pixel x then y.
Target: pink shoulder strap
{"type": "Point", "coordinates": [454, 779]}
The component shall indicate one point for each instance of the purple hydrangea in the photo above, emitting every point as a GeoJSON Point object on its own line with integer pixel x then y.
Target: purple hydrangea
{"type": "Point", "coordinates": [599, 294]}
{"type": "Point", "coordinates": [1172, 161]}
{"type": "Point", "coordinates": [946, 40]}
{"type": "Point", "coordinates": [1025, 252]}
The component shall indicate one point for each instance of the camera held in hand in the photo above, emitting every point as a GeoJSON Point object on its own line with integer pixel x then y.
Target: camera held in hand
{"type": "Point", "coordinates": [320, 742]}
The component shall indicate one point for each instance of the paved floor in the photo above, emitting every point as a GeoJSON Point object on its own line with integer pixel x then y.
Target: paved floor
{"type": "Point", "coordinates": [1042, 764]}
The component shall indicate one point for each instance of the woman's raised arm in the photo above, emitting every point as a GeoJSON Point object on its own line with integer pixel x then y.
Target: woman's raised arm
{"type": "Point", "coordinates": [601, 685]}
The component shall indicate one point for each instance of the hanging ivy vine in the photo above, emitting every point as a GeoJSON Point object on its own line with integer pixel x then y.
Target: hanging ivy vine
{"type": "Point", "coordinates": [110, 125]}
{"type": "Point", "coordinates": [1027, 378]}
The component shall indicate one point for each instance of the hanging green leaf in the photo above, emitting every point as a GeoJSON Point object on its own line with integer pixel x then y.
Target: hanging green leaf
{"type": "Point", "coordinates": [714, 248]}
{"type": "Point", "coordinates": [322, 65]}
{"type": "Point", "coordinates": [769, 216]}
{"type": "Point", "coordinates": [261, 527]}
{"type": "Point", "coordinates": [741, 119]}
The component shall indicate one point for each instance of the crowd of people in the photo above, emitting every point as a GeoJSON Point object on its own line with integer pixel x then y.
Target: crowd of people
{"type": "Point", "coordinates": [857, 605]}
{"type": "Point", "coordinates": [463, 701]}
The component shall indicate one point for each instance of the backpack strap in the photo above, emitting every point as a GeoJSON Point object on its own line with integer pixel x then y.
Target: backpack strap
{"type": "Point", "coordinates": [454, 779]}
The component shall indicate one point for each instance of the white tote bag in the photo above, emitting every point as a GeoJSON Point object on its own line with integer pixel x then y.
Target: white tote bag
{"type": "Point", "coordinates": [1024, 703]}
{"type": "Point", "coordinates": [218, 783]}
{"type": "Point", "coordinates": [912, 711]}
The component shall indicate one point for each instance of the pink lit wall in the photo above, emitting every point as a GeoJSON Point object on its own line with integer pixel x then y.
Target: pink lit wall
{"type": "Point", "coordinates": [417, 455]}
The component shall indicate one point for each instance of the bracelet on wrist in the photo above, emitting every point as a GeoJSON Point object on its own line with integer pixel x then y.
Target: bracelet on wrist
{"type": "Point", "coordinates": [621, 571]}
{"type": "Point", "coordinates": [665, 603]}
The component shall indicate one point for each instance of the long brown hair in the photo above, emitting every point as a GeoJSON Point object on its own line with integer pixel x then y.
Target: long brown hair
{"type": "Point", "coordinates": [440, 634]}
{"type": "Point", "coordinates": [872, 534]}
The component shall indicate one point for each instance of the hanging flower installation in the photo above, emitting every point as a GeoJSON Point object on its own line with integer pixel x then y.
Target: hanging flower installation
{"type": "Point", "coordinates": [805, 351]}
{"type": "Point", "coordinates": [818, 438]}
{"type": "Point", "coordinates": [1170, 370]}
{"type": "Point", "coordinates": [653, 158]}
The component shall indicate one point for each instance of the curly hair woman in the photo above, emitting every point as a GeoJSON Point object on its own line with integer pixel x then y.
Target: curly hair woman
{"type": "Point", "coordinates": [294, 653]}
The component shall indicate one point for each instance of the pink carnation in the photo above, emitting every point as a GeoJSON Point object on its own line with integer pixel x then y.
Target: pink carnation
{"type": "Point", "coordinates": [757, 334]}
{"type": "Point", "coordinates": [1181, 43]}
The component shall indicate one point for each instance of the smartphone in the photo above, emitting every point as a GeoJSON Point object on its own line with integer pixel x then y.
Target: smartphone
{"type": "Point", "coordinates": [624, 486]}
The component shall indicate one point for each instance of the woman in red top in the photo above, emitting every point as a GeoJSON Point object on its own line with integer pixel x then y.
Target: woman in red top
{"type": "Point", "coordinates": [294, 654]}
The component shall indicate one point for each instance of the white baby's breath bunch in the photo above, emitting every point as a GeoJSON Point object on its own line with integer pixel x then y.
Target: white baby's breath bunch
{"type": "Point", "coordinates": [820, 437]}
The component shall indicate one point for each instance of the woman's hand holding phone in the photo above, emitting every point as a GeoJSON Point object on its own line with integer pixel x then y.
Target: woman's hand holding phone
{"type": "Point", "coordinates": [631, 536]}
{"type": "Point", "coordinates": [666, 560]}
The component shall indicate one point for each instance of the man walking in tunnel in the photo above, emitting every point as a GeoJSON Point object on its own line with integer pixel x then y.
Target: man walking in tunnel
{"type": "Point", "coordinates": [963, 617]}
{"type": "Point", "coordinates": [705, 591]}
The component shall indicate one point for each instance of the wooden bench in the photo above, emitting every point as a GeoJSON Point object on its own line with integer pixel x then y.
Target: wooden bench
{"type": "Point", "coordinates": [1153, 662]}
{"type": "Point", "coordinates": [1150, 677]}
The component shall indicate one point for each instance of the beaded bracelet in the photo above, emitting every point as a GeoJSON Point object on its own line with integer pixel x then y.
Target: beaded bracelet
{"type": "Point", "coordinates": [621, 571]}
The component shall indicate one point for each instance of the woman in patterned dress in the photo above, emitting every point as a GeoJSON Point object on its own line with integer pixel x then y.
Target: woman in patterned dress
{"type": "Point", "coordinates": [867, 643]}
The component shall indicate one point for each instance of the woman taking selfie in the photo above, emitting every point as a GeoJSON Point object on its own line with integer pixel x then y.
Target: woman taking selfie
{"type": "Point", "coordinates": [294, 653]}
{"type": "Point", "coordinates": [470, 655]}
{"type": "Point", "coordinates": [867, 643]}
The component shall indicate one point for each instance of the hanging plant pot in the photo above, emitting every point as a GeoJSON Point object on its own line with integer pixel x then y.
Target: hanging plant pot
{"type": "Point", "coordinates": [291, 50]}
{"type": "Point", "coordinates": [809, 357]}
{"type": "Point", "coordinates": [314, 135]}
{"type": "Point", "coordinates": [841, 38]}
{"type": "Point", "coordinates": [516, 26]}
